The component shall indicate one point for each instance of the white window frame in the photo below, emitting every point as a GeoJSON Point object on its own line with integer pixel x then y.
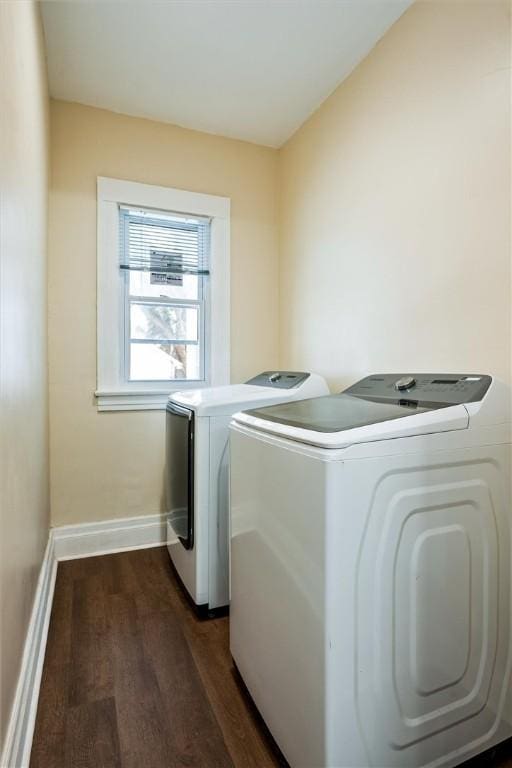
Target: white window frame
{"type": "Point", "coordinates": [113, 392]}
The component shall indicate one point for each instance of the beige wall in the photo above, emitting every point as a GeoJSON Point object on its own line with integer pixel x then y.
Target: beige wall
{"type": "Point", "coordinates": [23, 359]}
{"type": "Point", "coordinates": [395, 205]}
{"type": "Point", "coordinates": [394, 226]}
{"type": "Point", "coordinates": [107, 465]}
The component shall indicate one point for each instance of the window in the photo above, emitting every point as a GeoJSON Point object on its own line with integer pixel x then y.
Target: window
{"type": "Point", "coordinates": [165, 258]}
{"type": "Point", "coordinates": [163, 293]}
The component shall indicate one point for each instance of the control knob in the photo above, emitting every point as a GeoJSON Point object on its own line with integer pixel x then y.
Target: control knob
{"type": "Point", "coordinates": [406, 382]}
{"type": "Point", "coordinates": [274, 377]}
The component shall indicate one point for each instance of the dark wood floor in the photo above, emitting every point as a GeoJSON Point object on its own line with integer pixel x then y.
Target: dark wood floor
{"type": "Point", "coordinates": [132, 679]}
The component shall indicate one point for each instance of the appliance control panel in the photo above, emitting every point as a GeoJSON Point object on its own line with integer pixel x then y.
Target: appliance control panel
{"type": "Point", "coordinates": [279, 379]}
{"type": "Point", "coordinates": [434, 388]}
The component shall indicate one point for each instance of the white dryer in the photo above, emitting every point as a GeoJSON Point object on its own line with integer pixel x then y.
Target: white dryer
{"type": "Point", "coordinates": [197, 481]}
{"type": "Point", "coordinates": [371, 571]}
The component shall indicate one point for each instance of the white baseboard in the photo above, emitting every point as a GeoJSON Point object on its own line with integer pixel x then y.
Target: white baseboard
{"type": "Point", "coordinates": [18, 740]}
{"type": "Point", "coordinates": [89, 539]}
{"type": "Point", "coordinates": [64, 543]}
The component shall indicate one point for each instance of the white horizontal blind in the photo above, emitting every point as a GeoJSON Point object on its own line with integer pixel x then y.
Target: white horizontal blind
{"type": "Point", "coordinates": [163, 243]}
{"type": "Point", "coordinates": [164, 260]}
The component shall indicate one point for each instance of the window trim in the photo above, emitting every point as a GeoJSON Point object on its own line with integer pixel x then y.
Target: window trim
{"type": "Point", "coordinates": [113, 393]}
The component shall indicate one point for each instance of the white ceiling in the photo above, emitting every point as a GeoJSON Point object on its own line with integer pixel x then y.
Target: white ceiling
{"type": "Point", "coordinates": [248, 69]}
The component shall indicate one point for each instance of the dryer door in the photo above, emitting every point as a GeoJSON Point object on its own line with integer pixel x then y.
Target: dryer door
{"type": "Point", "coordinates": [179, 472]}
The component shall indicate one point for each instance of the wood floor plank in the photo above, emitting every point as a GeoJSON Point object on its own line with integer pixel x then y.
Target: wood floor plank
{"type": "Point", "coordinates": [145, 737]}
{"type": "Point", "coordinates": [91, 643]}
{"type": "Point", "coordinates": [91, 739]}
{"type": "Point", "coordinates": [154, 591]}
{"type": "Point", "coordinates": [122, 572]}
{"type": "Point", "coordinates": [196, 733]}
{"type": "Point", "coordinates": [58, 646]}
{"type": "Point", "coordinates": [49, 733]}
{"type": "Point", "coordinates": [244, 733]}
{"type": "Point", "coordinates": [48, 745]}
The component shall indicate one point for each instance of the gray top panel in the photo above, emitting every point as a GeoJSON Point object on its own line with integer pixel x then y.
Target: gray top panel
{"type": "Point", "coordinates": [375, 399]}
{"type": "Point", "coordinates": [279, 379]}
{"type": "Point", "coordinates": [436, 389]}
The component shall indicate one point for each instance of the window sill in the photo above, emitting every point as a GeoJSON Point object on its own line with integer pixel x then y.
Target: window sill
{"type": "Point", "coordinates": [137, 400]}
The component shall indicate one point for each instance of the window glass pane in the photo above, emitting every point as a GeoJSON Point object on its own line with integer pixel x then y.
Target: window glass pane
{"type": "Point", "coordinates": [161, 321]}
{"type": "Point", "coordinates": [164, 362]}
{"type": "Point", "coordinates": [147, 284]}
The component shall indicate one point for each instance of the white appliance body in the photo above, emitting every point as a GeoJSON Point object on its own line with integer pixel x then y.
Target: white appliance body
{"type": "Point", "coordinates": [197, 475]}
{"type": "Point", "coordinates": [371, 585]}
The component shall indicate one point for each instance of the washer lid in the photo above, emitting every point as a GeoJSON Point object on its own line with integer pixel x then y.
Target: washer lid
{"type": "Point", "coordinates": [338, 421]}
{"type": "Point", "coordinates": [376, 408]}
{"type": "Point", "coordinates": [337, 413]}
{"type": "Point", "coordinates": [225, 400]}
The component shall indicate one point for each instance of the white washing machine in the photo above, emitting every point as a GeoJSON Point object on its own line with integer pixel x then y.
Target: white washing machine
{"type": "Point", "coordinates": [197, 481]}
{"type": "Point", "coordinates": [371, 571]}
